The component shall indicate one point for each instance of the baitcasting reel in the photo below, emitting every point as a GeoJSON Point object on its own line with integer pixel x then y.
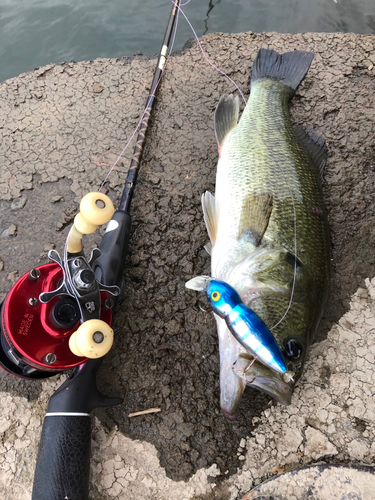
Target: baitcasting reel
{"type": "Point", "coordinates": [58, 315]}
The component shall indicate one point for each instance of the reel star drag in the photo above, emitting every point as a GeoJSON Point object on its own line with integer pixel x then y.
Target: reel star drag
{"type": "Point", "coordinates": [58, 315]}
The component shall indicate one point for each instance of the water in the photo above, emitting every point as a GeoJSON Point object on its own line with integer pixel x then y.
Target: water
{"type": "Point", "coordinates": [37, 32]}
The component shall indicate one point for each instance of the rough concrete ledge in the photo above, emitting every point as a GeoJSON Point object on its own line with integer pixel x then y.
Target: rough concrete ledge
{"type": "Point", "coordinates": [61, 128]}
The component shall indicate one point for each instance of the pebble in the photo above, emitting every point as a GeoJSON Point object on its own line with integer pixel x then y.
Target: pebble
{"type": "Point", "coordinates": [18, 203]}
{"type": "Point", "coordinates": [57, 198]}
{"type": "Point", "coordinates": [10, 231]}
{"type": "Point", "coordinates": [97, 88]}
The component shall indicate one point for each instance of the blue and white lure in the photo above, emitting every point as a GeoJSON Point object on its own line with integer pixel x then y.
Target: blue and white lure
{"type": "Point", "coordinates": [246, 326]}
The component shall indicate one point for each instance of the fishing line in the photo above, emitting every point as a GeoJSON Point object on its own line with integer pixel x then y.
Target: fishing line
{"type": "Point", "coordinates": [294, 217]}
{"type": "Point", "coordinates": [295, 222]}
{"type": "Point", "coordinates": [153, 90]}
{"type": "Point", "coordinates": [145, 110]}
{"type": "Point", "coordinates": [270, 152]}
{"type": "Point", "coordinates": [203, 53]}
{"type": "Point", "coordinates": [259, 134]}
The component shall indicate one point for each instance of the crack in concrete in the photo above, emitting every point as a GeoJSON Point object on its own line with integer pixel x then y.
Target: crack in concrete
{"type": "Point", "coordinates": [57, 135]}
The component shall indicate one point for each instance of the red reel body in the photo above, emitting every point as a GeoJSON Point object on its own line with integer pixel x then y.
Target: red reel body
{"type": "Point", "coordinates": [35, 335]}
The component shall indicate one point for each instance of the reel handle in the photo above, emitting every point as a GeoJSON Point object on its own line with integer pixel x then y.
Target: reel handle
{"type": "Point", "coordinates": [93, 339]}
{"type": "Point", "coordinates": [63, 462]}
{"type": "Point", "coordinates": [95, 209]}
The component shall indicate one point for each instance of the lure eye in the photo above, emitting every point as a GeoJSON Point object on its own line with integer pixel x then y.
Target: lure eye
{"type": "Point", "coordinates": [215, 296]}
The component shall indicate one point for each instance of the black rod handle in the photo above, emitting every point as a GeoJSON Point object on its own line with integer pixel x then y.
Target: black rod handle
{"type": "Point", "coordinates": [109, 266]}
{"type": "Point", "coordinates": [63, 463]}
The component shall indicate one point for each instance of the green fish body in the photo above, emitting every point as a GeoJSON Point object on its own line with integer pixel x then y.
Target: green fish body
{"type": "Point", "coordinates": [267, 222]}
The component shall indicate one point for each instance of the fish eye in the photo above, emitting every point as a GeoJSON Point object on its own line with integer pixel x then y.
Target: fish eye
{"type": "Point", "coordinates": [293, 349]}
{"type": "Point", "coordinates": [215, 296]}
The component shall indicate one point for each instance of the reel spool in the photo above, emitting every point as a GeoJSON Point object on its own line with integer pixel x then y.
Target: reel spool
{"type": "Point", "coordinates": [34, 335]}
{"type": "Point", "coordinates": [57, 316]}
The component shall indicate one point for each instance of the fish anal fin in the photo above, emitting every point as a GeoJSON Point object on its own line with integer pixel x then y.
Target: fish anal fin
{"type": "Point", "coordinates": [256, 213]}
{"type": "Point", "coordinates": [211, 215]}
{"type": "Point", "coordinates": [313, 145]}
{"type": "Point", "coordinates": [226, 118]}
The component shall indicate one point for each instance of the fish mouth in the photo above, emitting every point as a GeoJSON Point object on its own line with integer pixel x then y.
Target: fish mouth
{"type": "Point", "coordinates": [238, 368]}
{"type": "Point", "coordinates": [231, 385]}
{"type": "Point", "coordinates": [259, 376]}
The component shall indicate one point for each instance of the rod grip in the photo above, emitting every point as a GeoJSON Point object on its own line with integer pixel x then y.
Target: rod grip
{"type": "Point", "coordinates": [109, 266]}
{"type": "Point", "coordinates": [63, 462]}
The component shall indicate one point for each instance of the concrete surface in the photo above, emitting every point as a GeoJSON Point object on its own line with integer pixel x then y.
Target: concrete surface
{"type": "Point", "coordinates": [61, 128]}
{"type": "Point", "coordinates": [320, 482]}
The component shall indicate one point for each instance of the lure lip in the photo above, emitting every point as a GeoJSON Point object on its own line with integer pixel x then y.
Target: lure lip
{"type": "Point", "coordinates": [199, 283]}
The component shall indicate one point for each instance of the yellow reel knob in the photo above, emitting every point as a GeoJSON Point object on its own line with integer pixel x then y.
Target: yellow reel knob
{"type": "Point", "coordinates": [95, 209]}
{"type": "Point", "coordinates": [93, 339]}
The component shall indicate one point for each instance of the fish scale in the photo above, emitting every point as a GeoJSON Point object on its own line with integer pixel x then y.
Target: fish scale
{"type": "Point", "coordinates": [269, 155]}
{"type": "Point", "coordinates": [256, 169]}
{"type": "Point", "coordinates": [268, 203]}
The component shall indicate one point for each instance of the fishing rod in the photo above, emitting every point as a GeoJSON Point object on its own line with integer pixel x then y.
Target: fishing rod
{"type": "Point", "coordinates": [58, 317]}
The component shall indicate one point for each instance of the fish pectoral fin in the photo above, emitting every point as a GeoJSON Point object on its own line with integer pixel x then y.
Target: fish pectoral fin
{"type": "Point", "coordinates": [255, 216]}
{"type": "Point", "coordinates": [208, 247]}
{"type": "Point", "coordinates": [211, 215]}
{"type": "Point", "coordinates": [314, 147]}
{"type": "Point", "coordinates": [226, 117]}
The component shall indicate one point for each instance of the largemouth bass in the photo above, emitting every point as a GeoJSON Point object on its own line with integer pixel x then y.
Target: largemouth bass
{"type": "Point", "coordinates": [268, 226]}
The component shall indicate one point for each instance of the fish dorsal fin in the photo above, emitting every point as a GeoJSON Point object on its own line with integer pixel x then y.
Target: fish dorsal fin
{"type": "Point", "coordinates": [226, 117]}
{"type": "Point", "coordinates": [255, 215]}
{"type": "Point", "coordinates": [314, 146]}
{"type": "Point", "coordinates": [211, 215]}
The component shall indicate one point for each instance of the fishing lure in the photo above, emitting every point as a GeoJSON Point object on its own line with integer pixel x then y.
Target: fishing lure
{"type": "Point", "coordinates": [245, 325]}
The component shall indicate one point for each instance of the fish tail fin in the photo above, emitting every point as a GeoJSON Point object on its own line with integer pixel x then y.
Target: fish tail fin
{"type": "Point", "coordinates": [289, 68]}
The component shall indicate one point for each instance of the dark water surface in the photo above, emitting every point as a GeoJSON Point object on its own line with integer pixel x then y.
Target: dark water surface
{"type": "Point", "coordinates": [38, 32]}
